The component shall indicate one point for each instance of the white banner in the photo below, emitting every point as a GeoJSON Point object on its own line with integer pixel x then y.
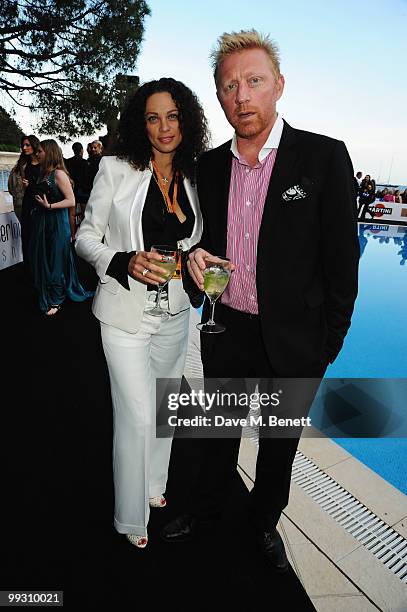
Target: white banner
{"type": "Point", "coordinates": [10, 240]}
{"type": "Point", "coordinates": [384, 211]}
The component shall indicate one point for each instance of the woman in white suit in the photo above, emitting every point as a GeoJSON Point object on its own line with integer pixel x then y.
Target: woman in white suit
{"type": "Point", "coordinates": [143, 196]}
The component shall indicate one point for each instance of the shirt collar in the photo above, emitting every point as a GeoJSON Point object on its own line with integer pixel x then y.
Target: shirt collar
{"type": "Point", "coordinates": [272, 141]}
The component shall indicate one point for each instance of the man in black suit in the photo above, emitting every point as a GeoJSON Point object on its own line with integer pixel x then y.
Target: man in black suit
{"type": "Point", "coordinates": [280, 203]}
{"type": "Point", "coordinates": [78, 171]}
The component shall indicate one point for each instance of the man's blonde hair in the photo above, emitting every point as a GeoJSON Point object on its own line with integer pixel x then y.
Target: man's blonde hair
{"type": "Point", "coordinates": [234, 42]}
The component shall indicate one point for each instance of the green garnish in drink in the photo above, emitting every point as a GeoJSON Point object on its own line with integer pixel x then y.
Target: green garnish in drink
{"type": "Point", "coordinates": [168, 268]}
{"type": "Point", "coordinates": [215, 282]}
{"type": "Point", "coordinates": [216, 277]}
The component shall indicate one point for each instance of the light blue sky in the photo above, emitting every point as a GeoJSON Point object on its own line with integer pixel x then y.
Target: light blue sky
{"type": "Point", "coordinates": [343, 61]}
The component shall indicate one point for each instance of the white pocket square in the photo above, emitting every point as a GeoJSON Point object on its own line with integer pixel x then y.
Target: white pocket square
{"type": "Point", "coordinates": [294, 193]}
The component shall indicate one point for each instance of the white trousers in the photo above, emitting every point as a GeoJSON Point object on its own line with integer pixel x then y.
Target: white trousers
{"type": "Point", "coordinates": [140, 460]}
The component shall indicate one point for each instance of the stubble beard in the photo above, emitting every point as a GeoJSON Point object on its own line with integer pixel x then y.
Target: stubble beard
{"type": "Point", "coordinates": [252, 129]}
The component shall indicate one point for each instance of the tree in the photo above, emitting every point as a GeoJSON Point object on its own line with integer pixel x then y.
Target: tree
{"type": "Point", "coordinates": [10, 132]}
{"type": "Point", "coordinates": [60, 58]}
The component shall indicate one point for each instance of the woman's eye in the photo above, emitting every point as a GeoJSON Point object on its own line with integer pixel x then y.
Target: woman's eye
{"type": "Point", "coordinates": [152, 119]}
{"type": "Point", "coordinates": [173, 117]}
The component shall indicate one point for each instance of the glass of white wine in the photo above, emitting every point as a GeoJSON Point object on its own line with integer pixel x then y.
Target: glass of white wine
{"type": "Point", "coordinates": [216, 277]}
{"type": "Point", "coordinates": [168, 265]}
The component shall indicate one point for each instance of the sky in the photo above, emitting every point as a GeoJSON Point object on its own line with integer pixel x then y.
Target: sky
{"type": "Point", "coordinates": [343, 62]}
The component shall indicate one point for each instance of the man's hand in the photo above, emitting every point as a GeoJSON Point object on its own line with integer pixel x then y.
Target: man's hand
{"type": "Point", "coordinates": [196, 264]}
{"type": "Point", "coordinates": [143, 262]}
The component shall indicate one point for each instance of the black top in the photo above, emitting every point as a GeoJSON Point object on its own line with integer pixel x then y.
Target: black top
{"type": "Point", "coordinates": [32, 174]}
{"type": "Point", "coordinates": [159, 227]}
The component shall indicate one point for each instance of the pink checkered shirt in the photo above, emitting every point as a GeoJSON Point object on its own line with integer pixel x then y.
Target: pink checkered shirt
{"type": "Point", "coordinates": [247, 195]}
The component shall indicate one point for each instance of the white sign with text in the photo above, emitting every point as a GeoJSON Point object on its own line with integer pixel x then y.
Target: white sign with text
{"type": "Point", "coordinates": [10, 240]}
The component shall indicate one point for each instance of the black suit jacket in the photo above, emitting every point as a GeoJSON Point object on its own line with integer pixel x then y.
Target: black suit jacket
{"type": "Point", "coordinates": [308, 249]}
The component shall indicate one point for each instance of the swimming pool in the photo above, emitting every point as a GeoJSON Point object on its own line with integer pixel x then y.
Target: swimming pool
{"type": "Point", "coordinates": [376, 348]}
{"type": "Point", "coordinates": [376, 344]}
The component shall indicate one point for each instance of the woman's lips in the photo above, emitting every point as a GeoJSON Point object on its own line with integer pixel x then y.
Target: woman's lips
{"type": "Point", "coordinates": [166, 140]}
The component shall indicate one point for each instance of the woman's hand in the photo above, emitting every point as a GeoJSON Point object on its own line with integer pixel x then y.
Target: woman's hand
{"type": "Point", "coordinates": [42, 200]}
{"type": "Point", "coordinates": [143, 261]}
{"type": "Point", "coordinates": [25, 182]}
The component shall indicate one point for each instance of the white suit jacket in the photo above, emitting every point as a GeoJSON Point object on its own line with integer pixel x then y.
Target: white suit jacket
{"type": "Point", "coordinates": [112, 223]}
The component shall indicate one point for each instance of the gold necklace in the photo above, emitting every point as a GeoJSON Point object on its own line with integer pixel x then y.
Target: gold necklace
{"type": "Point", "coordinates": [159, 186]}
{"type": "Point", "coordinates": [163, 179]}
{"type": "Point", "coordinates": [170, 205]}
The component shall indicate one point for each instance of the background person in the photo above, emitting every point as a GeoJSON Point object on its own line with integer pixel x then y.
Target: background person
{"type": "Point", "coordinates": [368, 180]}
{"type": "Point", "coordinates": [367, 197]}
{"type": "Point", "coordinates": [30, 175]}
{"type": "Point", "coordinates": [51, 258]}
{"type": "Point", "coordinates": [95, 150]}
{"type": "Point", "coordinates": [79, 172]}
{"type": "Point", "coordinates": [397, 196]}
{"type": "Point", "coordinates": [15, 183]}
{"type": "Point", "coordinates": [380, 194]}
{"type": "Point", "coordinates": [358, 181]}
{"type": "Point", "coordinates": [142, 197]}
{"type": "Point", "coordinates": [389, 196]}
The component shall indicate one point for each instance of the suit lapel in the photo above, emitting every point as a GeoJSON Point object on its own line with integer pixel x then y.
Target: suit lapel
{"type": "Point", "coordinates": [285, 168]}
{"type": "Point", "coordinates": [197, 229]}
{"type": "Point", "coordinates": [286, 162]}
{"type": "Point", "coordinates": [141, 182]}
{"type": "Point", "coordinates": [223, 169]}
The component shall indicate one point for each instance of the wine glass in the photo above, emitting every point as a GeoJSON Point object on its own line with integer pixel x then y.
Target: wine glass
{"type": "Point", "coordinates": [216, 277]}
{"type": "Point", "coordinates": [168, 265]}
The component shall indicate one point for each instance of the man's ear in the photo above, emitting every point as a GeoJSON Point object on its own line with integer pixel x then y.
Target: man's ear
{"type": "Point", "coordinates": [280, 86]}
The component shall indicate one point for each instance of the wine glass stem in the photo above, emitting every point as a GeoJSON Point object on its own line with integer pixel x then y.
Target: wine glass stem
{"type": "Point", "coordinates": [158, 298]}
{"type": "Point", "coordinates": [211, 319]}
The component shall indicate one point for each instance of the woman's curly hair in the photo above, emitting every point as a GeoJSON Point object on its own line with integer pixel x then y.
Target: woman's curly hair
{"type": "Point", "coordinates": [133, 144]}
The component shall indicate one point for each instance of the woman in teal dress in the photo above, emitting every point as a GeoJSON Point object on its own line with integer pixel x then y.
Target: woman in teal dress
{"type": "Point", "coordinates": [51, 258]}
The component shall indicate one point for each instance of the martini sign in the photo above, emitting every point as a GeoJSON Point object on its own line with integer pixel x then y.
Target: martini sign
{"type": "Point", "coordinates": [387, 211]}
{"type": "Point", "coordinates": [380, 209]}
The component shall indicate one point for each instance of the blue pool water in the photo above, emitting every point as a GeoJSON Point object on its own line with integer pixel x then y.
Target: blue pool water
{"type": "Point", "coordinates": [376, 344]}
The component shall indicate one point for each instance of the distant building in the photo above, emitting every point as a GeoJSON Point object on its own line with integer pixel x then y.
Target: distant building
{"type": "Point", "coordinates": [7, 162]}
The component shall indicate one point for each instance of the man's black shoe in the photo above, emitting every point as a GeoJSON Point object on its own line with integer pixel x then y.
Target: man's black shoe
{"type": "Point", "coordinates": [181, 529]}
{"type": "Point", "coordinates": [273, 549]}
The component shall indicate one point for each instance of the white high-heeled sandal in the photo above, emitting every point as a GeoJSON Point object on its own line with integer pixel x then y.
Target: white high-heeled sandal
{"type": "Point", "coordinates": [137, 540]}
{"type": "Point", "coordinates": [157, 502]}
